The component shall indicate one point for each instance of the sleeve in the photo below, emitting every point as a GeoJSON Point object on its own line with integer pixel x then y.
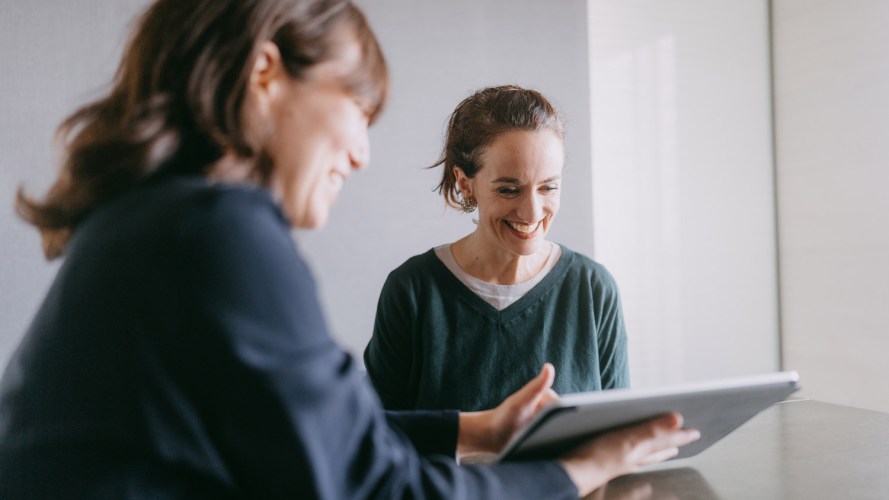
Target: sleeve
{"type": "Point", "coordinates": [431, 432]}
{"type": "Point", "coordinates": [288, 411]}
{"type": "Point", "coordinates": [614, 367]}
{"type": "Point", "coordinates": [388, 357]}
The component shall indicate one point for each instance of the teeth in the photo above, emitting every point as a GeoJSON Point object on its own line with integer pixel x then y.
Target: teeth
{"type": "Point", "coordinates": [523, 228]}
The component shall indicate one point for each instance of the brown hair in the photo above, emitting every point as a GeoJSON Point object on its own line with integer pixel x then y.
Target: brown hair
{"type": "Point", "coordinates": [483, 116]}
{"type": "Point", "coordinates": [175, 104]}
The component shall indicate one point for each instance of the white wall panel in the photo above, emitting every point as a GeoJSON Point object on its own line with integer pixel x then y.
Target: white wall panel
{"type": "Point", "coordinates": [683, 197]}
{"type": "Point", "coordinates": [832, 130]}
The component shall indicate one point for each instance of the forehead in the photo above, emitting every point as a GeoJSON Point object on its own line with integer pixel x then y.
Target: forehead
{"type": "Point", "coordinates": [525, 155]}
{"type": "Point", "coordinates": [356, 66]}
{"type": "Point", "coordinates": [339, 68]}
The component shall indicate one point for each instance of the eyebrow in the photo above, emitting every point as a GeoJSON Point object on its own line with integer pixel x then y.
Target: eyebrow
{"type": "Point", "coordinates": [513, 180]}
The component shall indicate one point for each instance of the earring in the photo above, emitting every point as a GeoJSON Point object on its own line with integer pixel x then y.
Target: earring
{"type": "Point", "coordinates": [468, 205]}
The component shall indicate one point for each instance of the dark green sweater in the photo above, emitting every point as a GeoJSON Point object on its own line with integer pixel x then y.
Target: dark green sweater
{"type": "Point", "coordinates": [437, 345]}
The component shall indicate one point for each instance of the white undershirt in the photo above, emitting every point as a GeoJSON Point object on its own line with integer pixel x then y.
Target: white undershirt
{"type": "Point", "coordinates": [499, 296]}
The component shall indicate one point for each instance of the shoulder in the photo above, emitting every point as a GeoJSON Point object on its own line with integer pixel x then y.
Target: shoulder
{"type": "Point", "coordinates": [415, 277]}
{"type": "Point", "coordinates": [418, 267]}
{"type": "Point", "coordinates": [225, 214]}
{"type": "Point", "coordinates": [214, 225]}
{"type": "Point", "coordinates": [167, 202]}
{"type": "Point", "coordinates": [235, 245]}
{"type": "Point", "coordinates": [170, 214]}
{"type": "Point", "coordinates": [230, 206]}
{"type": "Point", "coordinates": [584, 267]}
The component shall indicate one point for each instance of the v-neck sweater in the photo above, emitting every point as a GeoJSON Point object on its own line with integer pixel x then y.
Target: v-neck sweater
{"type": "Point", "coordinates": [436, 344]}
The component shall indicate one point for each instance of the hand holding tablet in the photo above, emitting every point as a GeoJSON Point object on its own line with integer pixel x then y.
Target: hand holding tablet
{"type": "Point", "coordinates": [715, 408]}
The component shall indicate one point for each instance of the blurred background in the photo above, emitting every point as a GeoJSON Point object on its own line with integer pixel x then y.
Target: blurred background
{"type": "Point", "coordinates": [727, 160]}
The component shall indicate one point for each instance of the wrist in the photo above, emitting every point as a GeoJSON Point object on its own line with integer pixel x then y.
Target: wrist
{"type": "Point", "coordinates": [585, 476]}
{"type": "Point", "coordinates": [474, 433]}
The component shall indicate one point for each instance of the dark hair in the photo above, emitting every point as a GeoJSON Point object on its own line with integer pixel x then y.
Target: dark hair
{"type": "Point", "coordinates": [483, 116]}
{"type": "Point", "coordinates": [175, 104]}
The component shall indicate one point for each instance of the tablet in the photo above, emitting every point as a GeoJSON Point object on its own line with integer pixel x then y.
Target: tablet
{"type": "Point", "coordinates": [714, 407]}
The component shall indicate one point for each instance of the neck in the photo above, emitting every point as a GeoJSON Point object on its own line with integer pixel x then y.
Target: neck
{"type": "Point", "coordinates": [232, 169]}
{"type": "Point", "coordinates": [494, 264]}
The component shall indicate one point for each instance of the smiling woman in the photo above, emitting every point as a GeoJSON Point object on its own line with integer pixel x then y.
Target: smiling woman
{"type": "Point", "coordinates": [463, 324]}
{"type": "Point", "coordinates": [517, 196]}
{"type": "Point", "coordinates": [181, 351]}
{"type": "Point", "coordinates": [320, 133]}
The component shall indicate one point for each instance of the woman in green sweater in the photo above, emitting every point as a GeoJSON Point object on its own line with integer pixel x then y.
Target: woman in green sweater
{"type": "Point", "coordinates": [465, 324]}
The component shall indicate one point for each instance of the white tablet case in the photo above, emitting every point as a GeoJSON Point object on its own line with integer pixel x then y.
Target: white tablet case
{"type": "Point", "coordinates": [715, 408]}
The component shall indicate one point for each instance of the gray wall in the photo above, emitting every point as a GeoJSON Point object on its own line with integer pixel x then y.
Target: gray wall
{"type": "Point", "coordinates": [56, 55]}
{"type": "Point", "coordinates": [439, 53]}
{"type": "Point", "coordinates": [831, 111]}
{"type": "Point", "coordinates": [59, 55]}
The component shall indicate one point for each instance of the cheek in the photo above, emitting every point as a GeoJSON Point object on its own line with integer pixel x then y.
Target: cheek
{"type": "Point", "coordinates": [553, 204]}
{"type": "Point", "coordinates": [491, 206]}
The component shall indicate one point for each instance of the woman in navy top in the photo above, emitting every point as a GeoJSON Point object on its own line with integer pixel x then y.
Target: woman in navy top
{"type": "Point", "coordinates": [181, 351]}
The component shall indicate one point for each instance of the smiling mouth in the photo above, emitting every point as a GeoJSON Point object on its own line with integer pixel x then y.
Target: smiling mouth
{"type": "Point", "coordinates": [523, 228]}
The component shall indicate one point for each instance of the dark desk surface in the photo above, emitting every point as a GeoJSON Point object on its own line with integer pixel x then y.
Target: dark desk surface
{"type": "Point", "coordinates": [799, 449]}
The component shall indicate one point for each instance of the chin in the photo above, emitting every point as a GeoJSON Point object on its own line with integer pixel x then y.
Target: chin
{"type": "Point", "coordinates": [525, 248]}
{"type": "Point", "coordinates": [310, 221]}
{"type": "Point", "coordinates": [316, 223]}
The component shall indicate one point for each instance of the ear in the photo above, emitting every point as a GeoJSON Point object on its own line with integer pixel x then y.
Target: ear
{"type": "Point", "coordinates": [463, 182]}
{"type": "Point", "coordinates": [266, 78]}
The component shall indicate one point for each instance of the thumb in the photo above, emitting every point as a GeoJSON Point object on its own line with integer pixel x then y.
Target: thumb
{"type": "Point", "coordinates": [538, 387]}
{"type": "Point", "coordinates": [519, 408]}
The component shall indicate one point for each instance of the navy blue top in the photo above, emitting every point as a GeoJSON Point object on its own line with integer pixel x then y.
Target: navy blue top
{"type": "Point", "coordinates": [181, 353]}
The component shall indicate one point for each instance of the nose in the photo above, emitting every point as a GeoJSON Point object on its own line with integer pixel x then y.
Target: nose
{"type": "Point", "coordinates": [531, 209]}
{"type": "Point", "coordinates": [359, 154]}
